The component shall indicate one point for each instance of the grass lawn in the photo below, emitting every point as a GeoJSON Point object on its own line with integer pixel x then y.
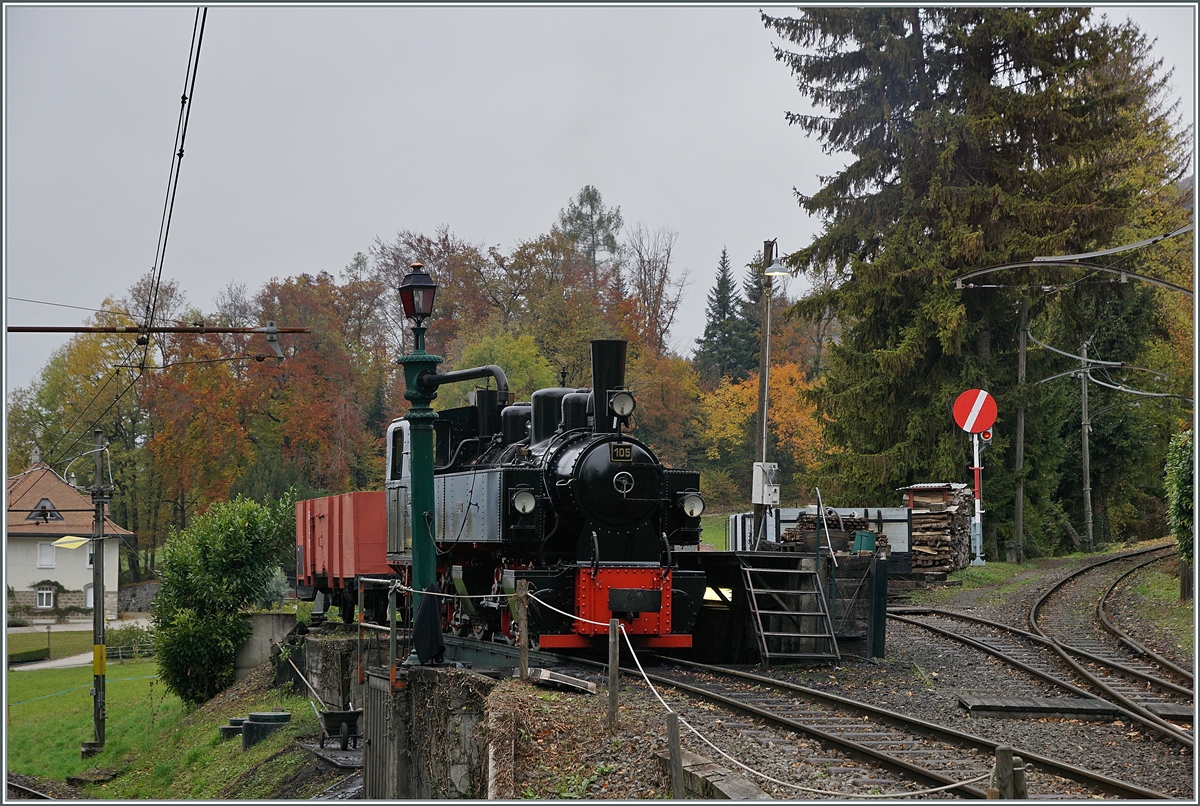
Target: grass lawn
{"type": "Point", "coordinates": [713, 527]}
{"type": "Point", "coordinates": [162, 751]}
{"type": "Point", "coordinates": [62, 644]}
{"type": "Point", "coordinates": [1157, 589]}
{"type": "Point", "coordinates": [50, 716]}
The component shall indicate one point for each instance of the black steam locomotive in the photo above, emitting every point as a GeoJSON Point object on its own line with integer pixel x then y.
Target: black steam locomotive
{"type": "Point", "coordinates": [554, 492]}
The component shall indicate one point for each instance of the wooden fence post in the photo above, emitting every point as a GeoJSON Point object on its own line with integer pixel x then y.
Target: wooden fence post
{"type": "Point", "coordinates": [677, 788]}
{"type": "Point", "coordinates": [523, 627]}
{"type": "Point", "coordinates": [614, 671]}
{"type": "Point", "coordinates": [1020, 790]}
{"type": "Point", "coordinates": [1004, 771]}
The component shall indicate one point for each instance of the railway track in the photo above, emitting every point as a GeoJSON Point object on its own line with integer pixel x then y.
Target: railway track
{"type": "Point", "coordinates": [1073, 654]}
{"type": "Point", "coordinates": [1069, 615]}
{"type": "Point", "coordinates": [910, 749]}
{"type": "Point", "coordinates": [1137, 647]}
{"type": "Point", "coordinates": [22, 792]}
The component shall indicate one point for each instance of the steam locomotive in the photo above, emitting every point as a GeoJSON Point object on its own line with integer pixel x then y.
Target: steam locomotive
{"type": "Point", "coordinates": [552, 491]}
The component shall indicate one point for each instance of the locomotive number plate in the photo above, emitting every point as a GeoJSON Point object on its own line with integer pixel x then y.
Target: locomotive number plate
{"type": "Point", "coordinates": [620, 452]}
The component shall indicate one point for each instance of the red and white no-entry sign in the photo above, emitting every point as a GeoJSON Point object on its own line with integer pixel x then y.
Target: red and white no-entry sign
{"type": "Point", "coordinates": [975, 411]}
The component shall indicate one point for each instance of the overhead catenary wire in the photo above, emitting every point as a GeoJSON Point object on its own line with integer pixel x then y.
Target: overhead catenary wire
{"type": "Point", "coordinates": [185, 111]}
{"type": "Point", "coordinates": [164, 232]}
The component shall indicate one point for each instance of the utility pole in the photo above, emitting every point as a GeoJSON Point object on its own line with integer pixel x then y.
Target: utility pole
{"type": "Point", "coordinates": [764, 368]}
{"type": "Point", "coordinates": [1087, 475]}
{"type": "Point", "coordinates": [1019, 504]}
{"type": "Point", "coordinates": [99, 653]}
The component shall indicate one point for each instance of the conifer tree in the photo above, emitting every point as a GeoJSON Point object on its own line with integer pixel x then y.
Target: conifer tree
{"type": "Point", "coordinates": [976, 137]}
{"type": "Point", "coordinates": [726, 348]}
{"type": "Point", "coordinates": [594, 228]}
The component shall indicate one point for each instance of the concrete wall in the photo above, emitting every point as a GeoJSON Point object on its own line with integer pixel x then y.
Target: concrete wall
{"type": "Point", "coordinates": [427, 741]}
{"type": "Point", "coordinates": [268, 629]}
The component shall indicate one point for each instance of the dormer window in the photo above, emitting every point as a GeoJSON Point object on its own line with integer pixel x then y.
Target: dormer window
{"type": "Point", "coordinates": [44, 512]}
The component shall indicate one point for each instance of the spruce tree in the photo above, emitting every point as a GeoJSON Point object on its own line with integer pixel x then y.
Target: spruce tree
{"type": "Point", "coordinates": [976, 137]}
{"type": "Point", "coordinates": [725, 350]}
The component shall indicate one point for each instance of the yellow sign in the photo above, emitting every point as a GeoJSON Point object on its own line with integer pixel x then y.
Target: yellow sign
{"type": "Point", "coordinates": [71, 542]}
{"type": "Point", "coordinates": [99, 659]}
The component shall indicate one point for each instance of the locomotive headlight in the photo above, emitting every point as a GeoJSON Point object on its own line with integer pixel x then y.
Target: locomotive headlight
{"type": "Point", "coordinates": [622, 404]}
{"type": "Point", "coordinates": [692, 505]}
{"type": "Point", "coordinates": [524, 501]}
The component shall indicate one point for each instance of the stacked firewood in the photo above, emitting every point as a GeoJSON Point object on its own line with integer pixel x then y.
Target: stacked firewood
{"type": "Point", "coordinates": [941, 535]}
{"type": "Point", "coordinates": [812, 523]}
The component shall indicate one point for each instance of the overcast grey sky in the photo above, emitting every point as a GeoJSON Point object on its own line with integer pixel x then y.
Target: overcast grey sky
{"type": "Point", "coordinates": [313, 130]}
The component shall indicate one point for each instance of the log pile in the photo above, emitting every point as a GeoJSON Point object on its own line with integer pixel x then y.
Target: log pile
{"type": "Point", "coordinates": [941, 537]}
{"type": "Point", "coordinates": [812, 523]}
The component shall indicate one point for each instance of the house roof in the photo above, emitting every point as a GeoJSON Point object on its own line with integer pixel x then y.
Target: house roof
{"type": "Point", "coordinates": [67, 512]}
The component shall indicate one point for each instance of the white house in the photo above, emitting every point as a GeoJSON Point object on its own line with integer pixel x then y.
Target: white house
{"type": "Point", "coordinates": [44, 580]}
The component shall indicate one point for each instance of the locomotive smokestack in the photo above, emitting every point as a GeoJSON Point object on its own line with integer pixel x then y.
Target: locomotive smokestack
{"type": "Point", "coordinates": [608, 373]}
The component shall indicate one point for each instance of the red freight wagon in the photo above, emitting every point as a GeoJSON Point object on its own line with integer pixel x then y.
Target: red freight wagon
{"type": "Point", "coordinates": [338, 539]}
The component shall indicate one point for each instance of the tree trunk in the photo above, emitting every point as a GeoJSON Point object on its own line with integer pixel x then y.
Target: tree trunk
{"type": "Point", "coordinates": [1185, 580]}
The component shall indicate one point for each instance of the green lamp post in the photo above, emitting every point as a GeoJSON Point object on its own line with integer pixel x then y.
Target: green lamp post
{"type": "Point", "coordinates": [416, 294]}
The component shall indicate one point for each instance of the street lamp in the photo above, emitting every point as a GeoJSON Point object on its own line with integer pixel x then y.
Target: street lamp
{"type": "Point", "coordinates": [766, 489]}
{"type": "Point", "coordinates": [417, 291]}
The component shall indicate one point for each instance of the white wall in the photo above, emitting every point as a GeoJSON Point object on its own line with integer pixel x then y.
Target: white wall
{"type": "Point", "coordinates": [71, 569]}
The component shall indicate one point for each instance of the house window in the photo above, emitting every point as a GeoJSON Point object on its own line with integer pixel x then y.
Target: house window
{"type": "Point", "coordinates": [44, 512]}
{"type": "Point", "coordinates": [45, 555]}
{"type": "Point", "coordinates": [88, 597]}
{"type": "Point", "coordinates": [91, 554]}
{"type": "Point", "coordinates": [45, 597]}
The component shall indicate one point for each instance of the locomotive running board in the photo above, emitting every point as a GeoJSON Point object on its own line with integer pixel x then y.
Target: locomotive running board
{"type": "Point", "coordinates": [791, 619]}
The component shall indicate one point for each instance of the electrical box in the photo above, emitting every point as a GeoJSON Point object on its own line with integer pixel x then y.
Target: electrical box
{"type": "Point", "coordinates": [766, 484]}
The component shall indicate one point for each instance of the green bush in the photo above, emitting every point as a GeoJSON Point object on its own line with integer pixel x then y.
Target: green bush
{"type": "Point", "coordinates": [1180, 476]}
{"type": "Point", "coordinates": [129, 635]}
{"type": "Point", "coordinates": [211, 574]}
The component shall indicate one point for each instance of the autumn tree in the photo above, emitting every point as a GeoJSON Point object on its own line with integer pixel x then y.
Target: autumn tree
{"type": "Point", "coordinates": [727, 438]}
{"type": "Point", "coordinates": [975, 137]}
{"type": "Point", "coordinates": [655, 287]}
{"type": "Point", "coordinates": [668, 397]}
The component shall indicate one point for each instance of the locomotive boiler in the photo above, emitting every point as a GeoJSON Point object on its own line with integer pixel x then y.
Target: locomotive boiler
{"type": "Point", "coordinates": [552, 491]}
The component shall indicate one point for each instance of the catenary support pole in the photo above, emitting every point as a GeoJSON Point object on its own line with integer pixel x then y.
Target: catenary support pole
{"type": "Point", "coordinates": [1019, 502]}
{"type": "Point", "coordinates": [1087, 471]}
{"type": "Point", "coordinates": [99, 654]}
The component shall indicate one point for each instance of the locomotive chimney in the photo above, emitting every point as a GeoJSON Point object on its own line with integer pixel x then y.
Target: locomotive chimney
{"type": "Point", "coordinates": [608, 373]}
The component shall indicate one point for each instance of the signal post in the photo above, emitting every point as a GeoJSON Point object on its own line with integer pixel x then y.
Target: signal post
{"type": "Point", "coordinates": [975, 413]}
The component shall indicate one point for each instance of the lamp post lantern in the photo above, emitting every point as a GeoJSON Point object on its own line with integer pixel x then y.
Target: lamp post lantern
{"type": "Point", "coordinates": [417, 291]}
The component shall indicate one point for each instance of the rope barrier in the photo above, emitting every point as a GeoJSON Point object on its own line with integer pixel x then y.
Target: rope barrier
{"type": "Point", "coordinates": [700, 736]}
{"type": "Point", "coordinates": [730, 758]}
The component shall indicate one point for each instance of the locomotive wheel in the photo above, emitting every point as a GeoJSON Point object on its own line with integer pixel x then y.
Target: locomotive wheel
{"type": "Point", "coordinates": [480, 631]}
